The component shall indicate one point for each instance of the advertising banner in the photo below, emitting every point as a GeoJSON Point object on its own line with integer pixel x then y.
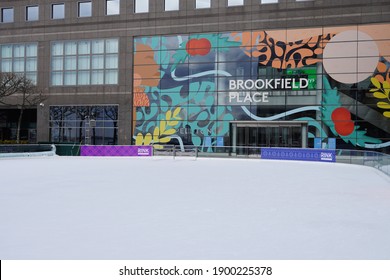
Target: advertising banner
{"type": "Point", "coordinates": [117, 151]}
{"type": "Point", "coordinates": [299, 154]}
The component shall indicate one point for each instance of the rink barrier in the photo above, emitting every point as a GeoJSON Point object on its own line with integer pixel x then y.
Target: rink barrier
{"type": "Point", "coordinates": [116, 151]}
{"type": "Point", "coordinates": [373, 159]}
{"type": "Point", "coordinates": [11, 151]}
{"type": "Point", "coordinates": [299, 154]}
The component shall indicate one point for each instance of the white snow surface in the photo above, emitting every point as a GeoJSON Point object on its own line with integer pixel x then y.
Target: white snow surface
{"type": "Point", "coordinates": [164, 208]}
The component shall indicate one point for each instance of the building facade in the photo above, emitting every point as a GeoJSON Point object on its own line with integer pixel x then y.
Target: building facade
{"type": "Point", "coordinates": [215, 73]}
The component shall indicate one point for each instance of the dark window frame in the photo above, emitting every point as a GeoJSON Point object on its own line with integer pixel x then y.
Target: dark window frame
{"type": "Point", "coordinates": [79, 9]}
{"type": "Point", "coordinates": [2, 14]}
{"type": "Point", "coordinates": [106, 7]}
{"type": "Point", "coordinates": [52, 10]}
{"type": "Point", "coordinates": [30, 17]}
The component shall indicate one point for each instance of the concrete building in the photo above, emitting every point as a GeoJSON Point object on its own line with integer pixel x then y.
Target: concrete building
{"type": "Point", "coordinates": [208, 73]}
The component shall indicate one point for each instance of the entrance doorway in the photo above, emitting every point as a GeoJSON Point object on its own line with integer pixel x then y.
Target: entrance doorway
{"type": "Point", "coordinates": [248, 136]}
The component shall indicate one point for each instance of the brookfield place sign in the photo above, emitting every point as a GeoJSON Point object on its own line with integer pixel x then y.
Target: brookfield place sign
{"type": "Point", "coordinates": [244, 91]}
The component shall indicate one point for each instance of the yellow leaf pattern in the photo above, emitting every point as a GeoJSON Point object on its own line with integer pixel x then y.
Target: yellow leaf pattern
{"type": "Point", "coordinates": [382, 91]}
{"type": "Point", "coordinates": [162, 133]}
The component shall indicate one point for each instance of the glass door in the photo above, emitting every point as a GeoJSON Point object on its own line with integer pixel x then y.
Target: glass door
{"type": "Point", "coordinates": [241, 140]}
{"type": "Point", "coordinates": [252, 141]}
{"type": "Point", "coordinates": [248, 137]}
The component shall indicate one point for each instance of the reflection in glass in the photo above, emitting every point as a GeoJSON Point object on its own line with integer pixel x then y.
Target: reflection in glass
{"type": "Point", "coordinates": [6, 51]}
{"type": "Point", "coordinates": [268, 1]}
{"type": "Point", "coordinates": [70, 48]}
{"type": "Point", "coordinates": [84, 57]}
{"type": "Point", "coordinates": [58, 11]}
{"type": "Point", "coordinates": [73, 124]}
{"type": "Point", "coordinates": [32, 13]}
{"type": "Point", "coordinates": [6, 65]}
{"type": "Point", "coordinates": [7, 15]}
{"type": "Point", "coordinates": [202, 4]}
{"type": "Point", "coordinates": [85, 9]}
{"type": "Point", "coordinates": [235, 3]}
{"type": "Point", "coordinates": [19, 51]}
{"type": "Point", "coordinates": [141, 6]}
{"type": "Point", "coordinates": [112, 7]}
{"type": "Point", "coordinates": [171, 5]}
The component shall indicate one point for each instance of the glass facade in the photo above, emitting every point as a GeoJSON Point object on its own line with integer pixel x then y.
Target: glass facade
{"type": "Point", "coordinates": [84, 62]}
{"type": "Point", "coordinates": [20, 59]}
{"type": "Point", "coordinates": [9, 119]}
{"type": "Point", "coordinates": [190, 88]}
{"type": "Point", "coordinates": [93, 124]}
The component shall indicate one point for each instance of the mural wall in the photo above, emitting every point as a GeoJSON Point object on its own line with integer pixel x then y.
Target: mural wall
{"type": "Point", "coordinates": [188, 88]}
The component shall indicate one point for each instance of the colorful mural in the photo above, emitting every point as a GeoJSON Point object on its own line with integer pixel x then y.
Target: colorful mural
{"type": "Point", "coordinates": [188, 88]}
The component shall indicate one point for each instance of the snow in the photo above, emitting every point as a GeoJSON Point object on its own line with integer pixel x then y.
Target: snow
{"type": "Point", "coordinates": [165, 208]}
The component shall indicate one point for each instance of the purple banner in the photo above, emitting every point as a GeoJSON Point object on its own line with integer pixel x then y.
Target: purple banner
{"type": "Point", "coordinates": [299, 154]}
{"type": "Point", "coordinates": [116, 151]}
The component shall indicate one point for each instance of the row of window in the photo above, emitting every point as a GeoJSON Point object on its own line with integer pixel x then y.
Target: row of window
{"type": "Point", "coordinates": [112, 7]}
{"type": "Point", "coordinates": [96, 62]}
{"type": "Point", "coordinates": [84, 62]}
{"type": "Point", "coordinates": [57, 11]}
{"type": "Point", "coordinates": [20, 59]}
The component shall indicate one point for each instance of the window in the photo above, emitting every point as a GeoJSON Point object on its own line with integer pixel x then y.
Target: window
{"type": "Point", "coordinates": [93, 124]}
{"type": "Point", "coordinates": [85, 9]}
{"type": "Point", "coordinates": [235, 3]}
{"type": "Point", "coordinates": [84, 62]}
{"type": "Point", "coordinates": [171, 5]}
{"type": "Point", "coordinates": [7, 15]}
{"type": "Point", "coordinates": [58, 11]}
{"type": "Point", "coordinates": [20, 59]}
{"type": "Point", "coordinates": [141, 6]}
{"type": "Point", "coordinates": [269, 1]}
{"type": "Point", "coordinates": [32, 13]}
{"type": "Point", "coordinates": [202, 4]}
{"type": "Point", "coordinates": [112, 7]}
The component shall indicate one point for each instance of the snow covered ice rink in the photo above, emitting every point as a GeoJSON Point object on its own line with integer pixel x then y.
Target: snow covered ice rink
{"type": "Point", "coordinates": [165, 208]}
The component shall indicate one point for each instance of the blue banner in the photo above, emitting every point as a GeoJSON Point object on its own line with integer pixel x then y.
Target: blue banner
{"type": "Point", "coordinates": [299, 154]}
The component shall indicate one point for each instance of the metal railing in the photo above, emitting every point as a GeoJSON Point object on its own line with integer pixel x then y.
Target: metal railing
{"type": "Point", "coordinates": [7, 151]}
{"type": "Point", "coordinates": [377, 160]}
{"type": "Point", "coordinates": [373, 159]}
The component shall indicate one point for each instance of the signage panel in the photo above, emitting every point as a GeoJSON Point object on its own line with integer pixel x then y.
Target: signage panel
{"type": "Point", "coordinates": [117, 151]}
{"type": "Point", "coordinates": [299, 154]}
